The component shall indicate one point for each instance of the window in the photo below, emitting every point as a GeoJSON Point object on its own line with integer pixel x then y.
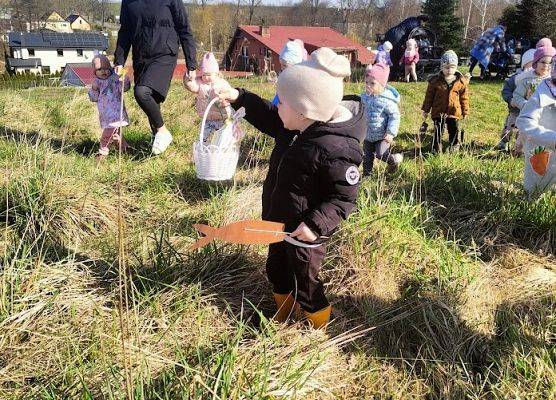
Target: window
{"type": "Point", "coordinates": [60, 52]}
{"type": "Point", "coordinates": [31, 52]}
{"type": "Point", "coordinates": [245, 51]}
{"type": "Point", "coordinates": [79, 52]}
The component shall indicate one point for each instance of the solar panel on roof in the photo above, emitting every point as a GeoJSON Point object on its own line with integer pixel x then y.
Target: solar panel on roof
{"type": "Point", "coordinates": [74, 40]}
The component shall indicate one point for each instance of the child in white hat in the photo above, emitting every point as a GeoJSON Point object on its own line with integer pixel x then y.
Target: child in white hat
{"type": "Point", "coordinates": [537, 124]}
{"type": "Point", "coordinates": [507, 93]}
{"type": "Point", "coordinates": [313, 176]}
{"type": "Point", "coordinates": [383, 54]}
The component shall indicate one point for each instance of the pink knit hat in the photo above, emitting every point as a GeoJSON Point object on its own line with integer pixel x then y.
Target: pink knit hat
{"type": "Point", "coordinates": [544, 42]}
{"type": "Point", "coordinates": [380, 72]}
{"type": "Point", "coordinates": [542, 52]}
{"type": "Point", "coordinates": [209, 65]}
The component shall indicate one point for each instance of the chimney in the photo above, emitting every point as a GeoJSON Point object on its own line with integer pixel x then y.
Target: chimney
{"type": "Point", "coordinates": [264, 30]}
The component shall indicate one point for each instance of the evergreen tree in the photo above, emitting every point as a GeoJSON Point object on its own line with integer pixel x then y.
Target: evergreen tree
{"type": "Point", "coordinates": [536, 19]}
{"type": "Point", "coordinates": [444, 23]}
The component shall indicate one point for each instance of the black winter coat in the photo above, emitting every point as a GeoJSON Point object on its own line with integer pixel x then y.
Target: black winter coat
{"type": "Point", "coordinates": [313, 177]}
{"type": "Point", "coordinates": [153, 28]}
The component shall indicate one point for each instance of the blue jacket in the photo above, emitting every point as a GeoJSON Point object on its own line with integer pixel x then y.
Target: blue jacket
{"type": "Point", "coordinates": [508, 92]}
{"type": "Point", "coordinates": [383, 114]}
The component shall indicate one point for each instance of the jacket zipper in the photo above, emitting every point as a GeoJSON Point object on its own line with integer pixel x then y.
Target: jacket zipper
{"type": "Point", "coordinates": [280, 164]}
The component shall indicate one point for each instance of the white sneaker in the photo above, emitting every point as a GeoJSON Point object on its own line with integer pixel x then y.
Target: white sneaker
{"type": "Point", "coordinates": [161, 142]}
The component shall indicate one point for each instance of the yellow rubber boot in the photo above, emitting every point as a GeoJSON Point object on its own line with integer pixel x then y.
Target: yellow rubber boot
{"type": "Point", "coordinates": [285, 304]}
{"type": "Point", "coordinates": [320, 318]}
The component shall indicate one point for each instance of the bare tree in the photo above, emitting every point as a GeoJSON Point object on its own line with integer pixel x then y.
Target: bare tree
{"type": "Point", "coordinates": [314, 7]}
{"type": "Point", "coordinates": [368, 9]}
{"type": "Point", "coordinates": [252, 5]}
{"type": "Point", "coordinates": [346, 8]}
{"type": "Point", "coordinates": [483, 8]}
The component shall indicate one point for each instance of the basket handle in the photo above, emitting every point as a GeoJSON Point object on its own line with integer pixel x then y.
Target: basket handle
{"type": "Point", "coordinates": [205, 115]}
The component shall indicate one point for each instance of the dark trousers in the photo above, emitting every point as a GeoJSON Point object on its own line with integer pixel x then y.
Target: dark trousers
{"type": "Point", "coordinates": [453, 132]}
{"type": "Point", "coordinates": [295, 270]}
{"type": "Point", "coordinates": [372, 150]}
{"type": "Point", "coordinates": [473, 62]}
{"type": "Point", "coordinates": [149, 100]}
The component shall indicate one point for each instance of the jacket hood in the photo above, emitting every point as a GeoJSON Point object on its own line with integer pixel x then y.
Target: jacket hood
{"type": "Point", "coordinates": [391, 94]}
{"type": "Point", "coordinates": [528, 74]}
{"type": "Point", "coordinates": [354, 127]}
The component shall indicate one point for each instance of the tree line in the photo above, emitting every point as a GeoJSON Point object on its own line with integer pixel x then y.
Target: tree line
{"type": "Point", "coordinates": [458, 23]}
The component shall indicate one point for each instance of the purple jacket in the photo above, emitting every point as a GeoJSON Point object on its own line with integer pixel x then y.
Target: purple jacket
{"type": "Point", "coordinates": [108, 98]}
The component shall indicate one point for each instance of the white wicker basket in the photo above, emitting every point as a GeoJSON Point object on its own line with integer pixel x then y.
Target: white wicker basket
{"type": "Point", "coordinates": [214, 163]}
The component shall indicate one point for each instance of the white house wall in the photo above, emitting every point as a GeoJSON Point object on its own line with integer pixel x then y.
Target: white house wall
{"type": "Point", "coordinates": [50, 58]}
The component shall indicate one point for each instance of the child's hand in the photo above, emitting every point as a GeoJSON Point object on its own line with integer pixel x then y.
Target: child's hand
{"type": "Point", "coordinates": [304, 234]}
{"type": "Point", "coordinates": [389, 138]}
{"type": "Point", "coordinates": [94, 87]}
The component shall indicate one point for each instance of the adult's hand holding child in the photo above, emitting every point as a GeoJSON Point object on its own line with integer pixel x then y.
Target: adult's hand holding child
{"type": "Point", "coordinates": [389, 138]}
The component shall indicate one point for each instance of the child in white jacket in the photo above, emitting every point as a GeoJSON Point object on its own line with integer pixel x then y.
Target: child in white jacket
{"type": "Point", "coordinates": [537, 123]}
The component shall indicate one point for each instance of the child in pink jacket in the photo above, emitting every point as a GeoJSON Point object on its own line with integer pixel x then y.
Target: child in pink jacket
{"type": "Point", "coordinates": [204, 87]}
{"type": "Point", "coordinates": [107, 90]}
{"type": "Point", "coordinates": [410, 59]}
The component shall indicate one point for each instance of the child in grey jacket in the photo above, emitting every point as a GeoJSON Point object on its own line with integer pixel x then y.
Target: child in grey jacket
{"type": "Point", "coordinates": [383, 119]}
{"type": "Point", "coordinates": [507, 93]}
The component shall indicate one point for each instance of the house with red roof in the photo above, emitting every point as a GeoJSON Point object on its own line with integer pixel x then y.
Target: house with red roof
{"type": "Point", "coordinates": [257, 48]}
{"type": "Point", "coordinates": [78, 74]}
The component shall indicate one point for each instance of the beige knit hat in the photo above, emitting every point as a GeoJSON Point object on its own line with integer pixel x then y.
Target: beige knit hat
{"type": "Point", "coordinates": [314, 88]}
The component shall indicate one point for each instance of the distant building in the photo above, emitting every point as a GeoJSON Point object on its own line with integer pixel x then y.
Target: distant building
{"type": "Point", "coordinates": [257, 48]}
{"type": "Point", "coordinates": [49, 52]}
{"type": "Point", "coordinates": [78, 23]}
{"type": "Point", "coordinates": [78, 75]}
{"type": "Point", "coordinates": [56, 23]}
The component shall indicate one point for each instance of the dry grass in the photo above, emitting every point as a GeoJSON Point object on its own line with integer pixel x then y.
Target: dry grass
{"type": "Point", "coordinates": [443, 293]}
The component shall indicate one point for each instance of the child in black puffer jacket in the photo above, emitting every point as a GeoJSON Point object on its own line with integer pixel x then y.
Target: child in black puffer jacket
{"type": "Point", "coordinates": [313, 178]}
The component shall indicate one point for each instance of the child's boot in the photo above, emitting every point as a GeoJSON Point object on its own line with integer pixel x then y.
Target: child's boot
{"type": "Point", "coordinates": [320, 318]}
{"type": "Point", "coordinates": [287, 307]}
{"type": "Point", "coordinates": [502, 145]}
{"type": "Point", "coordinates": [395, 165]}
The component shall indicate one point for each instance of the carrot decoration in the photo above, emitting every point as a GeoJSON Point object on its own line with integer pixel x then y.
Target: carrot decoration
{"type": "Point", "coordinates": [539, 160]}
{"type": "Point", "coordinates": [248, 232]}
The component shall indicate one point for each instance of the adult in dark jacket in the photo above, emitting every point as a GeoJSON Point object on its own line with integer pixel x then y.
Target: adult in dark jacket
{"type": "Point", "coordinates": [153, 29]}
{"type": "Point", "coordinates": [398, 36]}
{"type": "Point", "coordinates": [313, 177]}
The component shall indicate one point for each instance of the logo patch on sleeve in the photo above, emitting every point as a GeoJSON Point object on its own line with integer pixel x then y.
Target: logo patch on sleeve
{"type": "Point", "coordinates": [352, 175]}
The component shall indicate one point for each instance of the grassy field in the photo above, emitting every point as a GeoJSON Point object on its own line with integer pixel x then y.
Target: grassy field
{"type": "Point", "coordinates": [443, 281]}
